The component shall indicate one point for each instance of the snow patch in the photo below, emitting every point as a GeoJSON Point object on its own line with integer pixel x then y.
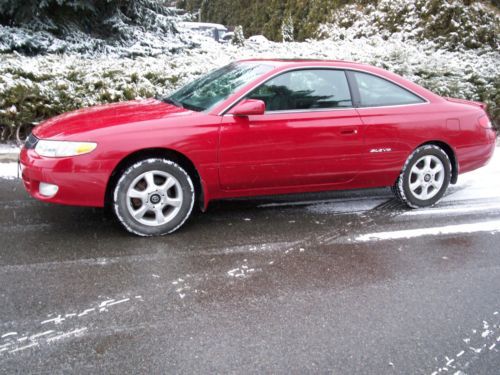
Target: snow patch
{"type": "Point", "coordinates": [8, 171]}
{"type": "Point", "coordinates": [466, 355]}
{"type": "Point", "coordinates": [242, 271]}
{"type": "Point", "coordinates": [485, 226]}
{"type": "Point", "coordinates": [345, 206]}
{"type": "Point", "coordinates": [466, 208]}
{"type": "Point", "coordinates": [9, 148]}
{"type": "Point", "coordinates": [12, 345]}
{"type": "Point", "coordinates": [8, 334]}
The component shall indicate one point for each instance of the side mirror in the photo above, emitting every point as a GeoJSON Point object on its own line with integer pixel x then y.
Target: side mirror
{"type": "Point", "coordinates": [248, 107]}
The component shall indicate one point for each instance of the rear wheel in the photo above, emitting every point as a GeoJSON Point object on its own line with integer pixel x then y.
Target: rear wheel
{"type": "Point", "coordinates": [154, 197]}
{"type": "Point", "coordinates": [424, 178]}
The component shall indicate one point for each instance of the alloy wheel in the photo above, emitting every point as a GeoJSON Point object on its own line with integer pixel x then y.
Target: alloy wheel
{"type": "Point", "coordinates": [154, 198]}
{"type": "Point", "coordinates": [426, 177]}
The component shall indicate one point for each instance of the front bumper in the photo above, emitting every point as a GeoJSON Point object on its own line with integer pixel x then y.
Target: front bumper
{"type": "Point", "coordinates": [81, 179]}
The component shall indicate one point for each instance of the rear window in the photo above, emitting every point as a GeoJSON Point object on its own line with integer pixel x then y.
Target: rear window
{"type": "Point", "coordinates": [375, 92]}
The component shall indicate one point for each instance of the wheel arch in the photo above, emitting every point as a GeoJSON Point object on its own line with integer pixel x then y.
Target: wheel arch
{"type": "Point", "coordinates": [173, 155]}
{"type": "Point", "coordinates": [451, 155]}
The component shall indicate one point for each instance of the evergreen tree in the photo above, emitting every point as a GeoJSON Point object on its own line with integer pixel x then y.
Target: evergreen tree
{"type": "Point", "coordinates": [103, 18]}
{"type": "Point", "coordinates": [268, 16]}
{"type": "Point", "coordinates": [287, 29]}
{"type": "Point", "coordinates": [239, 37]}
{"type": "Point", "coordinates": [102, 23]}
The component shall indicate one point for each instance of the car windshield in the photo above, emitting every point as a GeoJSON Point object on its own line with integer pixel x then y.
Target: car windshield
{"type": "Point", "coordinates": [211, 89]}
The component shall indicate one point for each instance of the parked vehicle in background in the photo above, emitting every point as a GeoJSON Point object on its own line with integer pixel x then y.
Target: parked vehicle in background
{"type": "Point", "coordinates": [257, 127]}
{"type": "Point", "coordinates": [215, 31]}
{"type": "Point", "coordinates": [228, 37]}
{"type": "Point", "coordinates": [258, 39]}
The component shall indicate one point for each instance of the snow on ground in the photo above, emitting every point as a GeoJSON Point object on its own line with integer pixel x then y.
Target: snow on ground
{"type": "Point", "coordinates": [9, 148]}
{"type": "Point", "coordinates": [482, 183]}
{"type": "Point", "coordinates": [486, 226]}
{"type": "Point", "coordinates": [53, 329]}
{"type": "Point", "coordinates": [346, 206]}
{"type": "Point", "coordinates": [8, 171]}
{"type": "Point", "coordinates": [475, 193]}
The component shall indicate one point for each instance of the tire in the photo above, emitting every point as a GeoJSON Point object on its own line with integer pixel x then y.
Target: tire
{"type": "Point", "coordinates": [425, 177]}
{"type": "Point", "coordinates": [153, 197]}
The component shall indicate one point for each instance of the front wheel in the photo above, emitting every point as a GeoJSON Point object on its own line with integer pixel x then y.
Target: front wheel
{"type": "Point", "coordinates": [424, 178]}
{"type": "Point", "coordinates": [154, 197]}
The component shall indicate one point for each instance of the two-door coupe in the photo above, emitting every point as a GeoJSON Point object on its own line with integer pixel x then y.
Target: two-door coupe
{"type": "Point", "coordinates": [257, 127]}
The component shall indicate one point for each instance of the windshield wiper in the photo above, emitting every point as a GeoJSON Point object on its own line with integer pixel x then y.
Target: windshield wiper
{"type": "Point", "coordinates": [192, 107]}
{"type": "Point", "coordinates": [179, 104]}
{"type": "Point", "coordinates": [172, 101]}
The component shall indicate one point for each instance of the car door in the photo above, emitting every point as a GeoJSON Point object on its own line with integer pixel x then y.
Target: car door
{"type": "Point", "coordinates": [386, 109]}
{"type": "Point", "coordinates": [309, 135]}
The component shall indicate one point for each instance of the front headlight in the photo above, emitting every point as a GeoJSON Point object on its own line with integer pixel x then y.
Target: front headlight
{"type": "Point", "coordinates": [59, 149]}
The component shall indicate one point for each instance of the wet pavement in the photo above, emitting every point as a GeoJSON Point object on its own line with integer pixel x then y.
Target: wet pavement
{"type": "Point", "coordinates": [325, 283]}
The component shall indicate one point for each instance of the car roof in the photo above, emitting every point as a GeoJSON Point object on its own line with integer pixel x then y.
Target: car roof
{"type": "Point", "coordinates": [284, 64]}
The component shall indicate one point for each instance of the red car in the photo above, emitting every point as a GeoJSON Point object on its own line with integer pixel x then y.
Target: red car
{"type": "Point", "coordinates": [257, 127]}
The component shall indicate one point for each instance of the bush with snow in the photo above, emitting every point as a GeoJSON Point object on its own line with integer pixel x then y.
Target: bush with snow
{"type": "Point", "coordinates": [90, 27]}
{"type": "Point", "coordinates": [43, 86]}
{"type": "Point", "coordinates": [449, 24]}
{"type": "Point", "coordinates": [33, 88]}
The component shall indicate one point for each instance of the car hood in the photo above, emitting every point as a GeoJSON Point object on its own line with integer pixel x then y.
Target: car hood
{"type": "Point", "coordinates": [103, 116]}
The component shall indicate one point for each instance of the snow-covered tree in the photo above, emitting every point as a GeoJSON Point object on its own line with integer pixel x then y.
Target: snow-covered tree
{"type": "Point", "coordinates": [287, 29]}
{"type": "Point", "coordinates": [85, 25]}
{"type": "Point", "coordinates": [239, 37]}
{"type": "Point", "coordinates": [454, 25]}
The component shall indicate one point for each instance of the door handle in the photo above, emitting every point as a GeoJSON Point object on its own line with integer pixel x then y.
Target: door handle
{"type": "Point", "coordinates": [349, 131]}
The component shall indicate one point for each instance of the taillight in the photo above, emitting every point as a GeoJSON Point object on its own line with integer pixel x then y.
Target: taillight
{"type": "Point", "coordinates": [485, 122]}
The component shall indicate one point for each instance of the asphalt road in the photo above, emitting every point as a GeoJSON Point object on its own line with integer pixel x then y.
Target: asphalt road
{"type": "Point", "coordinates": [347, 283]}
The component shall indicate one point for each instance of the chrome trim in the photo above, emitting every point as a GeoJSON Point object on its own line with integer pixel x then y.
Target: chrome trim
{"type": "Point", "coordinates": [234, 102]}
{"type": "Point", "coordinates": [394, 105]}
{"type": "Point", "coordinates": [309, 110]}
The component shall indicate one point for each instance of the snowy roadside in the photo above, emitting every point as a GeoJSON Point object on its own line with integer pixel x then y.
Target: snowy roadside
{"type": "Point", "coordinates": [8, 161]}
{"type": "Point", "coordinates": [8, 148]}
{"type": "Point", "coordinates": [8, 156]}
{"type": "Point", "coordinates": [8, 171]}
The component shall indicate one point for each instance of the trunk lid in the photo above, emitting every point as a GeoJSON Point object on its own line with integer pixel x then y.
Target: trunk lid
{"type": "Point", "coordinates": [481, 105]}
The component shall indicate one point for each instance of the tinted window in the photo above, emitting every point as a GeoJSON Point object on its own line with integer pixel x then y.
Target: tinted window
{"type": "Point", "coordinates": [305, 89]}
{"type": "Point", "coordinates": [211, 89]}
{"type": "Point", "coordinates": [375, 91]}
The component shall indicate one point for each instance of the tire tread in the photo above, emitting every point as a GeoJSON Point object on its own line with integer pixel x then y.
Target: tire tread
{"type": "Point", "coordinates": [130, 170]}
{"type": "Point", "coordinates": [398, 187]}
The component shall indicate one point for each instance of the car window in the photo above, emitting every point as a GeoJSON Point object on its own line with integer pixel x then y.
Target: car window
{"type": "Point", "coordinates": [375, 91]}
{"type": "Point", "coordinates": [305, 90]}
{"type": "Point", "coordinates": [215, 87]}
